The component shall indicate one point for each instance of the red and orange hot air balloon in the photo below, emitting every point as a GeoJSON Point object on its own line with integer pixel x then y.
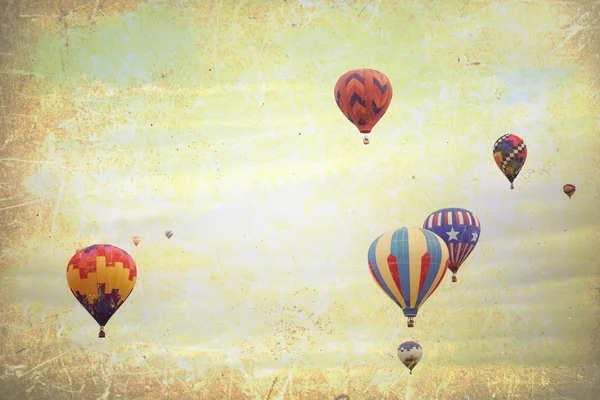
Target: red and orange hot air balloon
{"type": "Point", "coordinates": [101, 277]}
{"type": "Point", "coordinates": [569, 189]}
{"type": "Point", "coordinates": [363, 96]}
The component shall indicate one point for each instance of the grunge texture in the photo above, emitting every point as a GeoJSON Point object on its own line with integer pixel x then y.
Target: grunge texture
{"type": "Point", "coordinates": [217, 120]}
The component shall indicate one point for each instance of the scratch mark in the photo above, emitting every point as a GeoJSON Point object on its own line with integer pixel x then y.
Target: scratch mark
{"type": "Point", "coordinates": [46, 362]}
{"type": "Point", "coordinates": [365, 6]}
{"type": "Point", "coordinates": [54, 214]}
{"type": "Point", "coordinates": [70, 391]}
{"type": "Point", "coordinates": [92, 17]}
{"type": "Point", "coordinates": [29, 202]}
{"type": "Point", "coordinates": [288, 381]}
{"type": "Point", "coordinates": [18, 72]}
{"type": "Point", "coordinates": [574, 31]}
{"type": "Point", "coordinates": [8, 137]}
{"type": "Point", "coordinates": [26, 161]}
{"type": "Point", "coordinates": [216, 40]}
{"type": "Point", "coordinates": [38, 16]}
{"type": "Point", "coordinates": [272, 385]}
{"type": "Point", "coordinates": [373, 13]}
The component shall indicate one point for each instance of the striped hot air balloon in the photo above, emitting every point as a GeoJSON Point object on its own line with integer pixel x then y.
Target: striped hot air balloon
{"type": "Point", "coordinates": [101, 277]}
{"type": "Point", "coordinates": [569, 189]}
{"type": "Point", "coordinates": [363, 96]}
{"type": "Point", "coordinates": [169, 234]}
{"type": "Point", "coordinates": [510, 154]}
{"type": "Point", "coordinates": [136, 240]}
{"type": "Point", "coordinates": [408, 264]}
{"type": "Point", "coordinates": [460, 229]}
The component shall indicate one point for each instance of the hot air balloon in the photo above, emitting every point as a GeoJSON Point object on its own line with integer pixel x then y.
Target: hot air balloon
{"type": "Point", "coordinates": [410, 353]}
{"type": "Point", "coordinates": [169, 234]}
{"type": "Point", "coordinates": [101, 277]}
{"type": "Point", "coordinates": [569, 189]}
{"type": "Point", "coordinates": [363, 96]}
{"type": "Point", "coordinates": [460, 229]}
{"type": "Point", "coordinates": [136, 240]}
{"type": "Point", "coordinates": [408, 264]}
{"type": "Point", "coordinates": [510, 154]}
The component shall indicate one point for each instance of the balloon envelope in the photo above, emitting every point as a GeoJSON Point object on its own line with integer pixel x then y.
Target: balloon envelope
{"type": "Point", "coordinates": [410, 353]}
{"type": "Point", "coordinates": [169, 234]}
{"type": "Point", "coordinates": [136, 240]}
{"type": "Point", "coordinates": [363, 96]}
{"type": "Point", "coordinates": [408, 264]}
{"type": "Point", "coordinates": [459, 229]}
{"type": "Point", "coordinates": [510, 154]}
{"type": "Point", "coordinates": [101, 277]}
{"type": "Point", "coordinates": [569, 189]}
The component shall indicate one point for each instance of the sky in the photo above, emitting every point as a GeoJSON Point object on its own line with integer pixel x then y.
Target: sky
{"type": "Point", "coordinates": [217, 120]}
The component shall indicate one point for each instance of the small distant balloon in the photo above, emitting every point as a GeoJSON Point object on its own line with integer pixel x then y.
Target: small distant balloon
{"type": "Point", "coordinates": [510, 154]}
{"type": "Point", "coordinates": [410, 353]}
{"type": "Point", "coordinates": [169, 234]}
{"type": "Point", "coordinates": [569, 189]}
{"type": "Point", "coordinates": [136, 240]}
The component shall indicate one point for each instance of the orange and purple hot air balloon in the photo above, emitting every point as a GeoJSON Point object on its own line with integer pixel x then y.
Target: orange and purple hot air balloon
{"type": "Point", "coordinates": [510, 154]}
{"type": "Point", "coordinates": [569, 189]}
{"type": "Point", "coordinates": [101, 277]}
{"type": "Point", "coordinates": [363, 96]}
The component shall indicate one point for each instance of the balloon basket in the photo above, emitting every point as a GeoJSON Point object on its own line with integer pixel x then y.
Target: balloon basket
{"type": "Point", "coordinates": [101, 334]}
{"type": "Point", "coordinates": [454, 278]}
{"type": "Point", "coordinates": [365, 139]}
{"type": "Point", "coordinates": [411, 323]}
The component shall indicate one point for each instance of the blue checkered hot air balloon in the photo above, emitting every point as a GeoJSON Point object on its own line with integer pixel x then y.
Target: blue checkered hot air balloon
{"type": "Point", "coordinates": [460, 229]}
{"type": "Point", "coordinates": [408, 264]}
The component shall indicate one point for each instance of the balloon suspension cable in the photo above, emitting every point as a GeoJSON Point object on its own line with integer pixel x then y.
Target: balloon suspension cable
{"type": "Point", "coordinates": [512, 186]}
{"type": "Point", "coordinates": [365, 137]}
{"type": "Point", "coordinates": [101, 334]}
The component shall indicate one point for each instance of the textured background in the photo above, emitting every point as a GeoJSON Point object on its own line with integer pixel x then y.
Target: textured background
{"type": "Point", "coordinates": [217, 120]}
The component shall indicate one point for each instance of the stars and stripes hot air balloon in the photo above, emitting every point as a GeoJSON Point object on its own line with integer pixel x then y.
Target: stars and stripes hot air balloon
{"type": "Point", "coordinates": [136, 240]}
{"type": "Point", "coordinates": [410, 353]}
{"type": "Point", "coordinates": [460, 229]}
{"type": "Point", "coordinates": [169, 234]}
{"type": "Point", "coordinates": [363, 96]}
{"type": "Point", "coordinates": [101, 277]}
{"type": "Point", "coordinates": [408, 264]}
{"type": "Point", "coordinates": [510, 154]}
{"type": "Point", "coordinates": [569, 189]}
